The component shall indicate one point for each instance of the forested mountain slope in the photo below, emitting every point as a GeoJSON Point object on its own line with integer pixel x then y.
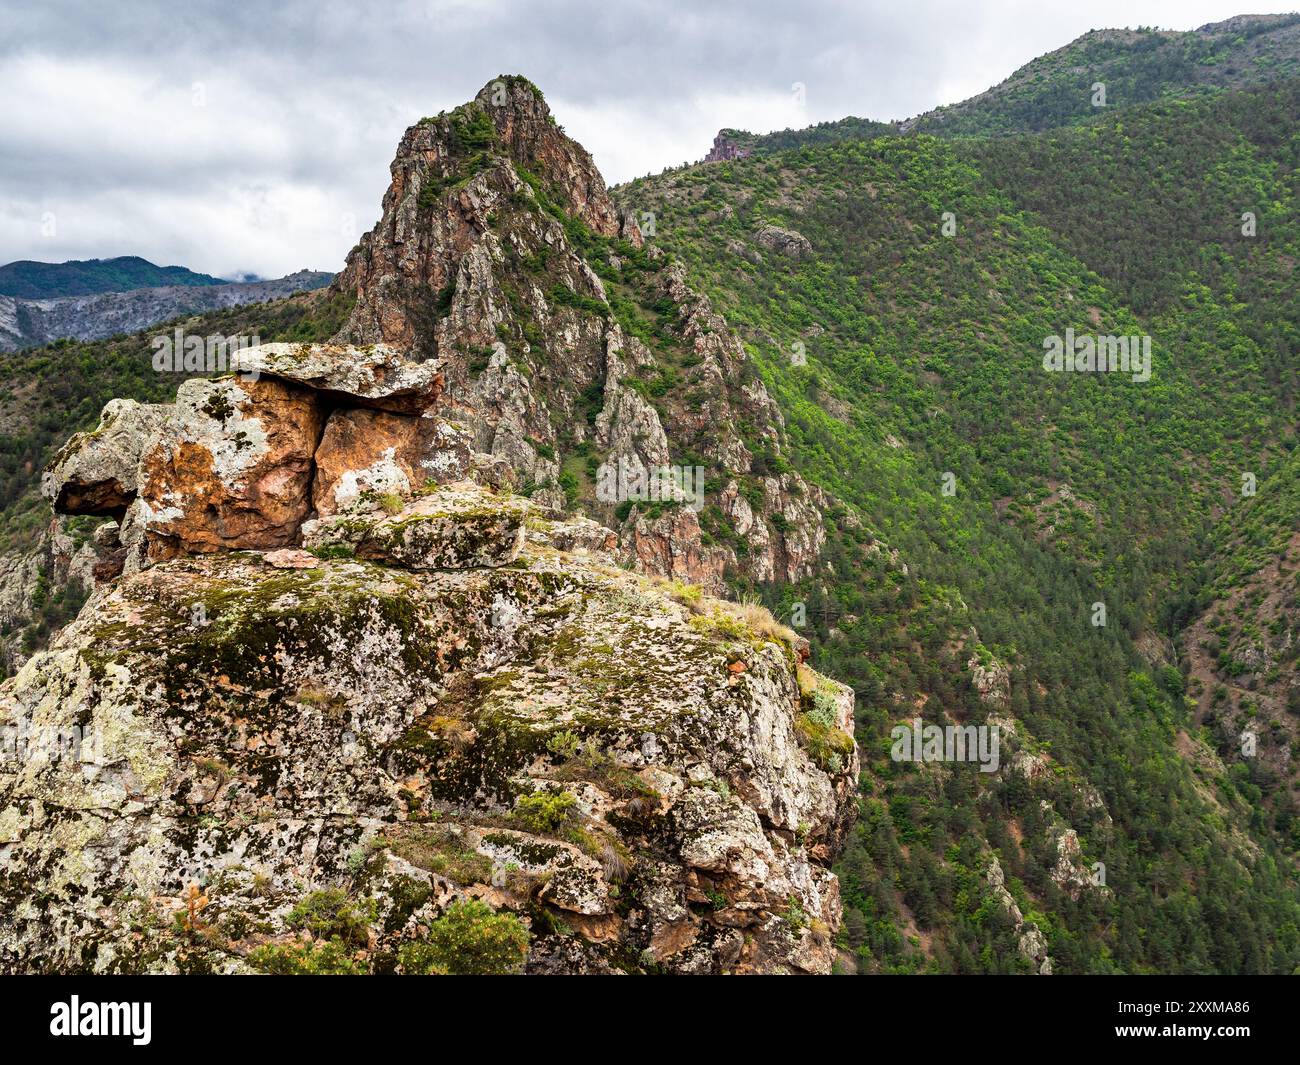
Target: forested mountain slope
{"type": "Point", "coordinates": [35, 281]}
{"type": "Point", "coordinates": [924, 358]}
{"type": "Point", "coordinates": [1188, 209]}
{"type": "Point", "coordinates": [1061, 88]}
{"type": "Point", "coordinates": [1134, 66]}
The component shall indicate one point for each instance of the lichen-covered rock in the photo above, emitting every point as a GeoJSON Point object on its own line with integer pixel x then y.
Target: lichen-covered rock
{"type": "Point", "coordinates": [349, 680]}
{"type": "Point", "coordinates": [451, 527]}
{"type": "Point", "coordinates": [558, 737]}
{"type": "Point", "coordinates": [574, 533]}
{"type": "Point", "coordinates": [21, 575]}
{"type": "Point", "coordinates": [231, 467]}
{"type": "Point", "coordinates": [96, 472]}
{"type": "Point", "coordinates": [373, 375]}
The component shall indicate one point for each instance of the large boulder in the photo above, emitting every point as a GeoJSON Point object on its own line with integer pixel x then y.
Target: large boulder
{"type": "Point", "coordinates": [787, 242]}
{"type": "Point", "coordinates": [231, 468]}
{"type": "Point", "coordinates": [372, 375]}
{"type": "Point", "coordinates": [96, 472]}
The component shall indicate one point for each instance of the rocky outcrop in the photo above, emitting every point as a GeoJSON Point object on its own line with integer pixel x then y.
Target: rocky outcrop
{"type": "Point", "coordinates": [98, 472]}
{"type": "Point", "coordinates": [786, 242]}
{"type": "Point", "coordinates": [725, 149]}
{"type": "Point", "coordinates": [483, 291]}
{"type": "Point", "coordinates": [448, 529]}
{"type": "Point", "coordinates": [371, 376]}
{"type": "Point", "coordinates": [1031, 942]}
{"type": "Point", "coordinates": [558, 737]}
{"type": "Point", "coordinates": [990, 678]}
{"type": "Point", "coordinates": [21, 577]}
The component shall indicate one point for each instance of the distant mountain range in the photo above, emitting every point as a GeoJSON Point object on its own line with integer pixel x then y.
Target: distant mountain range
{"type": "Point", "coordinates": [102, 297]}
{"type": "Point", "coordinates": [29, 280]}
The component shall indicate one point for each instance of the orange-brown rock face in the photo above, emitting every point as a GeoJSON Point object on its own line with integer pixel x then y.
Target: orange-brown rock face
{"type": "Point", "coordinates": [366, 450]}
{"type": "Point", "coordinates": [671, 546]}
{"type": "Point", "coordinates": [231, 469]}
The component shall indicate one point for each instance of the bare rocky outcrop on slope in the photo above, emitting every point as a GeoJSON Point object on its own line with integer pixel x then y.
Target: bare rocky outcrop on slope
{"type": "Point", "coordinates": [725, 149]}
{"type": "Point", "coordinates": [458, 696]}
{"type": "Point", "coordinates": [787, 242]}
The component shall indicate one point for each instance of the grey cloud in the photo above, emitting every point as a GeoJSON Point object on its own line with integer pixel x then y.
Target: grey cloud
{"type": "Point", "coordinates": [304, 101]}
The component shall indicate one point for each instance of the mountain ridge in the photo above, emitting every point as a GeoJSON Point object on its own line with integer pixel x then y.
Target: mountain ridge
{"type": "Point", "coordinates": [31, 280]}
{"type": "Point", "coordinates": [1057, 88]}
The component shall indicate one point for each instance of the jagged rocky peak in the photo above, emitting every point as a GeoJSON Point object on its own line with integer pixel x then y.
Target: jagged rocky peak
{"type": "Point", "coordinates": [457, 181]}
{"type": "Point", "coordinates": [529, 134]}
{"type": "Point", "coordinates": [498, 253]}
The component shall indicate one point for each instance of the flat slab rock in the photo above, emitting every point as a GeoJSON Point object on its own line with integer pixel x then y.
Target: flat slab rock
{"type": "Point", "coordinates": [374, 375]}
{"type": "Point", "coordinates": [453, 527]}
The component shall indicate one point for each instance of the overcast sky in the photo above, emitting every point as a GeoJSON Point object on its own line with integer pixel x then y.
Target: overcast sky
{"type": "Point", "coordinates": [235, 137]}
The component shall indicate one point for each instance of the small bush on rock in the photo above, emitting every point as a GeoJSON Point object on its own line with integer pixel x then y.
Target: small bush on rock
{"type": "Point", "coordinates": [469, 940]}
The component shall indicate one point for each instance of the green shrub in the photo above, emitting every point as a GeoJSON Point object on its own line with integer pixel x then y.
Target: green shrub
{"type": "Point", "coordinates": [545, 811]}
{"type": "Point", "coordinates": [306, 959]}
{"type": "Point", "coordinates": [330, 914]}
{"type": "Point", "coordinates": [469, 940]}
